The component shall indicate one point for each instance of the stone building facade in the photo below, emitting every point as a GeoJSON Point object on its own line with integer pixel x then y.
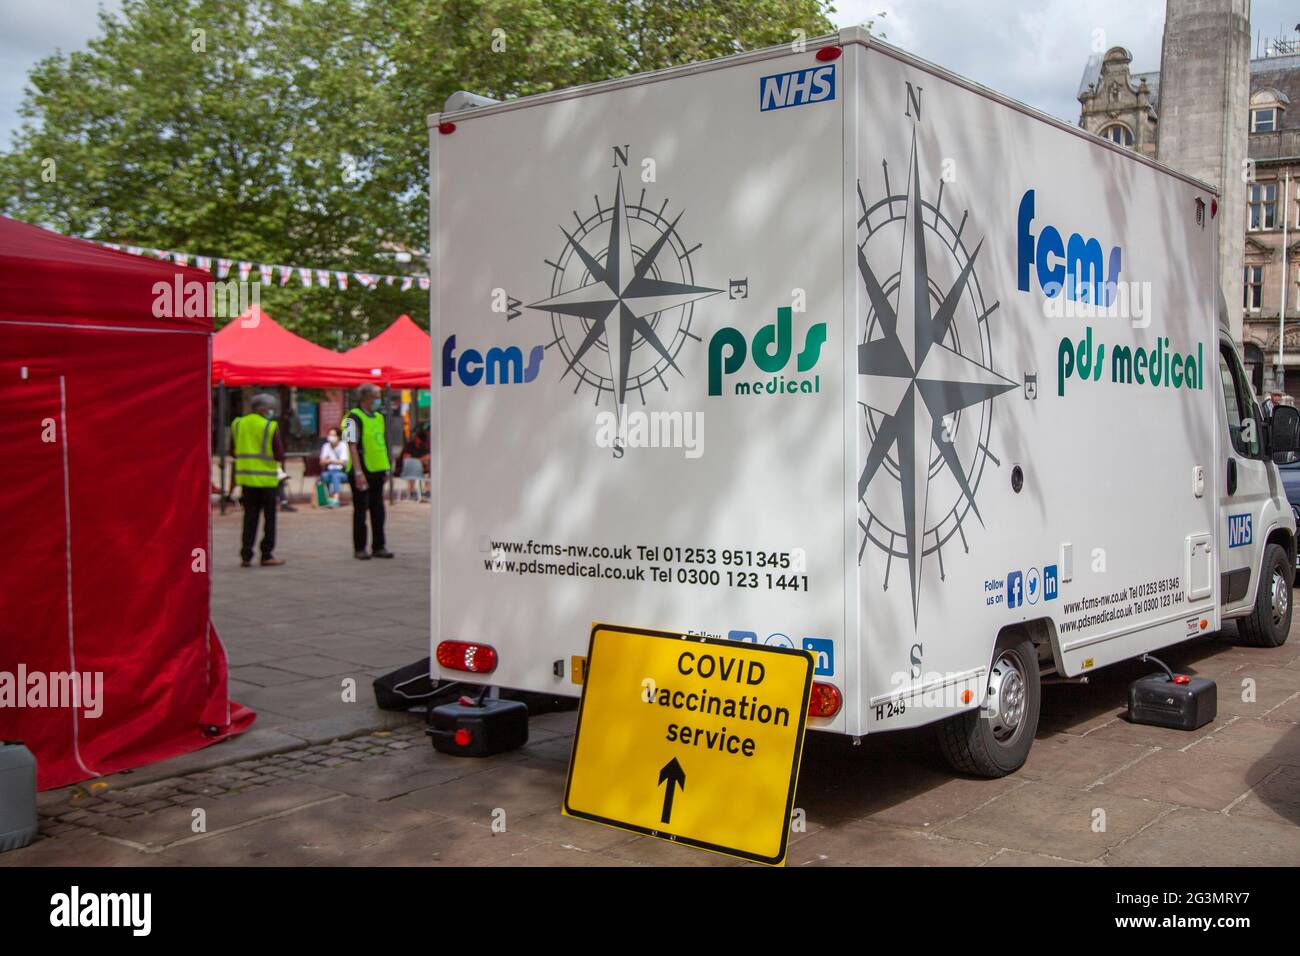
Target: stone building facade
{"type": "Point", "coordinates": [1124, 106]}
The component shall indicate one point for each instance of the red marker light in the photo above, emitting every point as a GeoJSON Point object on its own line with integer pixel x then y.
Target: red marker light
{"type": "Point", "coordinates": [1214, 208]}
{"type": "Point", "coordinates": [464, 656]}
{"type": "Point", "coordinates": [1182, 679]}
{"type": "Point", "coordinates": [824, 701]}
{"type": "Point", "coordinates": [828, 53]}
{"type": "Point", "coordinates": [446, 128]}
{"type": "Point", "coordinates": [463, 737]}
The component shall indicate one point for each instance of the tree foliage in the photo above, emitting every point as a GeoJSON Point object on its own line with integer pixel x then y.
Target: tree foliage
{"type": "Point", "coordinates": [293, 131]}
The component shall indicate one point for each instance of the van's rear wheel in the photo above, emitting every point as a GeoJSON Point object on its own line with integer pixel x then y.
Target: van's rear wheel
{"type": "Point", "coordinates": [1270, 622]}
{"type": "Point", "coordinates": [994, 739]}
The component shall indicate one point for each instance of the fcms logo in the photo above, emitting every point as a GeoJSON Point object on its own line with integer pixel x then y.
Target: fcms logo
{"type": "Point", "coordinates": [816, 85]}
{"type": "Point", "coordinates": [500, 366]}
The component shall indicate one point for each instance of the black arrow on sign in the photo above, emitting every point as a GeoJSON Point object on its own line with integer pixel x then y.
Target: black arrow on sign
{"type": "Point", "coordinates": [676, 777]}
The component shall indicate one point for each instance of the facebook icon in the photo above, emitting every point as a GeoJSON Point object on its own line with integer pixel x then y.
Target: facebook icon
{"type": "Point", "coordinates": [1015, 589]}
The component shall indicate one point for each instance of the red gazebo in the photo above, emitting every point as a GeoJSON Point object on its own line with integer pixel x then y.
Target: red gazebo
{"type": "Point", "coordinates": [106, 645]}
{"type": "Point", "coordinates": [254, 349]}
{"type": "Point", "coordinates": [399, 356]}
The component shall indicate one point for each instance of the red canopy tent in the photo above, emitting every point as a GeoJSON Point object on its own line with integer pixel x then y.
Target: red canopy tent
{"type": "Point", "coordinates": [108, 659]}
{"type": "Point", "coordinates": [399, 356]}
{"type": "Point", "coordinates": [254, 349]}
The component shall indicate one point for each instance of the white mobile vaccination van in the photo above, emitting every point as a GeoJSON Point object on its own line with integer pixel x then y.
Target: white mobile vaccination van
{"type": "Point", "coordinates": [827, 348]}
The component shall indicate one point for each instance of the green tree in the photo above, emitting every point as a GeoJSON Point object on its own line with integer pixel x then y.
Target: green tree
{"type": "Point", "coordinates": [293, 131]}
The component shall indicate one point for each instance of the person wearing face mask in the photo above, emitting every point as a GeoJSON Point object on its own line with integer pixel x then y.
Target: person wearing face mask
{"type": "Point", "coordinates": [363, 430]}
{"type": "Point", "coordinates": [333, 465]}
{"type": "Point", "coordinates": [259, 455]}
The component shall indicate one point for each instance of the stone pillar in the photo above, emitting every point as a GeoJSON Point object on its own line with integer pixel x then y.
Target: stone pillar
{"type": "Point", "coordinates": [1204, 113]}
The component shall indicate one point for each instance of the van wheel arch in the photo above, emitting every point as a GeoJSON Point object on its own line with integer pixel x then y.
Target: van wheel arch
{"type": "Point", "coordinates": [1284, 540]}
{"type": "Point", "coordinates": [993, 740]}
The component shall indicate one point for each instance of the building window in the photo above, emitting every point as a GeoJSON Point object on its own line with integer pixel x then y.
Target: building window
{"type": "Point", "coordinates": [1119, 134]}
{"type": "Point", "coordinates": [1263, 205]}
{"type": "Point", "coordinates": [1263, 120]}
{"type": "Point", "coordinates": [1254, 288]}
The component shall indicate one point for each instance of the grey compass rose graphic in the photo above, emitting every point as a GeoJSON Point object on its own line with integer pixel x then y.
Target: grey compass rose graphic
{"type": "Point", "coordinates": [927, 378]}
{"type": "Point", "coordinates": [622, 298]}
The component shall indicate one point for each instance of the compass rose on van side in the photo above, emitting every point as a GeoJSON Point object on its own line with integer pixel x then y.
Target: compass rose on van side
{"type": "Point", "coordinates": [926, 377]}
{"type": "Point", "coordinates": [622, 297]}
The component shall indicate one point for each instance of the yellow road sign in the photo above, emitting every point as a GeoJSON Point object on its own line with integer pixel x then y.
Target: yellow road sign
{"type": "Point", "coordinates": [690, 739]}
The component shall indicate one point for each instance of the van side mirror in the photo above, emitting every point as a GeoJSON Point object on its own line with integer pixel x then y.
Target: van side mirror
{"type": "Point", "coordinates": [1284, 430]}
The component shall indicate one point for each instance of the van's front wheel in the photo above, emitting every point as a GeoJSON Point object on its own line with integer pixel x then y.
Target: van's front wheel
{"type": "Point", "coordinates": [1270, 622]}
{"type": "Point", "coordinates": [994, 739]}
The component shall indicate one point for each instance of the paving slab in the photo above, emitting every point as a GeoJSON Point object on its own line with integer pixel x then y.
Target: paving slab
{"type": "Point", "coordinates": [155, 831]}
{"type": "Point", "coordinates": [1276, 797]}
{"type": "Point", "coordinates": [1079, 761]}
{"type": "Point", "coordinates": [1042, 818]}
{"type": "Point", "coordinates": [549, 855]}
{"type": "Point", "coordinates": [875, 844]}
{"type": "Point", "coordinates": [447, 841]}
{"type": "Point", "coordinates": [1250, 739]}
{"type": "Point", "coordinates": [1188, 837]}
{"type": "Point", "coordinates": [1193, 778]}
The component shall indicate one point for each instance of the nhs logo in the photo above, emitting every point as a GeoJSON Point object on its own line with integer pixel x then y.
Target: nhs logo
{"type": "Point", "coordinates": [1239, 530]}
{"type": "Point", "coordinates": [798, 88]}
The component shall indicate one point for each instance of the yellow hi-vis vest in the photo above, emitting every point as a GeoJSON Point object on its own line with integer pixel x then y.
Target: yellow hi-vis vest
{"type": "Point", "coordinates": [255, 463]}
{"type": "Point", "coordinates": [372, 440]}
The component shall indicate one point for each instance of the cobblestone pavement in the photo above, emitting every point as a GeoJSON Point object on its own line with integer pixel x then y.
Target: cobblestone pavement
{"type": "Point", "coordinates": [323, 782]}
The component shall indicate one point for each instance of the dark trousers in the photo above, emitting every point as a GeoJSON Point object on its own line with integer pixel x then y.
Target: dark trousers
{"type": "Point", "coordinates": [258, 501]}
{"type": "Point", "coordinates": [371, 500]}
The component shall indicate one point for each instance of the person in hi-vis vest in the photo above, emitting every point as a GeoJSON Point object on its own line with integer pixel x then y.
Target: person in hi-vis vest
{"type": "Point", "coordinates": [259, 454]}
{"type": "Point", "coordinates": [368, 466]}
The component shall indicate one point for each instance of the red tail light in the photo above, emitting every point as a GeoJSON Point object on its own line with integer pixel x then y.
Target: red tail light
{"type": "Point", "coordinates": [824, 701]}
{"type": "Point", "coordinates": [464, 656]}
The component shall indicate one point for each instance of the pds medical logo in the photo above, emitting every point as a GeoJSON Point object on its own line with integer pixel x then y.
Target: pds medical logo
{"type": "Point", "coordinates": [770, 351]}
{"type": "Point", "coordinates": [1015, 589]}
{"type": "Point", "coordinates": [500, 366]}
{"type": "Point", "coordinates": [796, 88]}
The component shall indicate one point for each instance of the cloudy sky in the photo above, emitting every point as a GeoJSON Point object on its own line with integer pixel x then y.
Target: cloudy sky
{"type": "Point", "coordinates": [1032, 51]}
